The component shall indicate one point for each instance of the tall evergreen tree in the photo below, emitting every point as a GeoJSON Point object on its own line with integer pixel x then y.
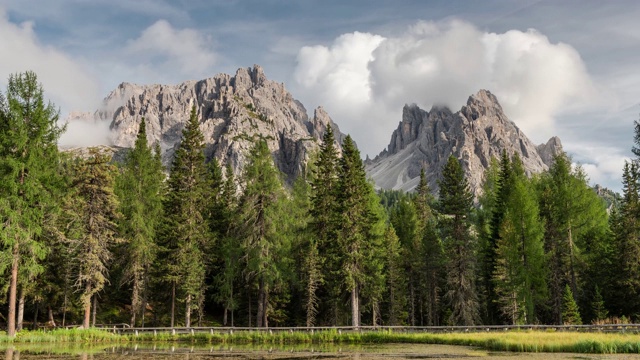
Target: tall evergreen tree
{"type": "Point", "coordinates": [403, 216]}
{"type": "Point", "coordinates": [429, 251]}
{"type": "Point", "coordinates": [572, 213]}
{"type": "Point", "coordinates": [259, 212]}
{"type": "Point", "coordinates": [323, 225]}
{"type": "Point", "coordinates": [227, 279]}
{"type": "Point", "coordinates": [96, 232]}
{"type": "Point", "coordinates": [519, 275]}
{"type": "Point", "coordinates": [29, 164]}
{"type": "Point", "coordinates": [503, 189]}
{"type": "Point", "coordinates": [455, 204]}
{"type": "Point", "coordinates": [356, 220]}
{"type": "Point", "coordinates": [626, 230]}
{"type": "Point", "coordinates": [186, 231]}
{"type": "Point", "coordinates": [140, 189]}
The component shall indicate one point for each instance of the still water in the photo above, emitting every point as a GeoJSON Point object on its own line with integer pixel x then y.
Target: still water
{"type": "Point", "coordinates": [184, 352]}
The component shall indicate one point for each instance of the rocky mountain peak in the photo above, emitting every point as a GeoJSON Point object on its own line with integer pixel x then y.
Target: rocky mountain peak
{"type": "Point", "coordinates": [233, 112]}
{"type": "Point", "coordinates": [475, 134]}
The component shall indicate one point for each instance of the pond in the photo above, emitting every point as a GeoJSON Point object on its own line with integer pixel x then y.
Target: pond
{"type": "Point", "coordinates": [185, 352]}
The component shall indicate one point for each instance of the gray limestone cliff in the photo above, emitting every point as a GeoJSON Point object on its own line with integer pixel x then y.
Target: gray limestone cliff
{"type": "Point", "coordinates": [233, 111]}
{"type": "Point", "coordinates": [475, 134]}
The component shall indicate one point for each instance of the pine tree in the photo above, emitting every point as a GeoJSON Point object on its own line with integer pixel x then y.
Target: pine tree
{"type": "Point", "coordinates": [259, 211]}
{"type": "Point", "coordinates": [140, 188]}
{"type": "Point", "coordinates": [403, 217]}
{"type": "Point", "coordinates": [503, 188]}
{"type": "Point", "coordinates": [455, 204]}
{"type": "Point", "coordinates": [356, 219]}
{"type": "Point", "coordinates": [570, 311]}
{"type": "Point", "coordinates": [29, 164]}
{"type": "Point", "coordinates": [323, 224]}
{"type": "Point", "coordinates": [483, 216]}
{"type": "Point", "coordinates": [429, 251]}
{"type": "Point", "coordinates": [572, 213]}
{"type": "Point", "coordinates": [396, 280]}
{"type": "Point", "coordinates": [227, 278]}
{"type": "Point", "coordinates": [95, 205]}
{"type": "Point", "coordinates": [186, 231]}
{"type": "Point", "coordinates": [519, 275]}
{"type": "Point", "coordinates": [597, 305]}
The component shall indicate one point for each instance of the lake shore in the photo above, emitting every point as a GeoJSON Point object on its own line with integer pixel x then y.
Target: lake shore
{"type": "Point", "coordinates": [513, 341]}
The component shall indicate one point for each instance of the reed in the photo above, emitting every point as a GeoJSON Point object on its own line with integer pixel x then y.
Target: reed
{"type": "Point", "coordinates": [516, 341]}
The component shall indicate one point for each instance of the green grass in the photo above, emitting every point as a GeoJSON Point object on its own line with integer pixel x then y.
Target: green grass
{"type": "Point", "coordinates": [517, 341]}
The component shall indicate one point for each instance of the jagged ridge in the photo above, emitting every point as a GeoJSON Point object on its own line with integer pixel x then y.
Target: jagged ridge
{"type": "Point", "coordinates": [475, 134]}
{"type": "Point", "coordinates": [233, 110]}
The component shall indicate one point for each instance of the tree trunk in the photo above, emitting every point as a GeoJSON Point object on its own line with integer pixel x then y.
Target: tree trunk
{"type": "Point", "coordinates": [187, 311]}
{"type": "Point", "coordinates": [224, 317]}
{"type": "Point", "coordinates": [173, 303]}
{"type": "Point", "coordinates": [133, 316]}
{"type": "Point", "coordinates": [52, 321]}
{"type": "Point", "coordinates": [11, 323]}
{"type": "Point", "coordinates": [144, 305]}
{"type": "Point", "coordinates": [260, 314]}
{"type": "Point", "coordinates": [412, 299]}
{"type": "Point", "coordinates": [250, 314]}
{"type": "Point", "coordinates": [265, 307]}
{"type": "Point", "coordinates": [64, 309]}
{"type": "Point", "coordinates": [35, 316]}
{"type": "Point", "coordinates": [20, 319]}
{"type": "Point", "coordinates": [355, 307]}
{"type": "Point", "coordinates": [87, 308]}
{"type": "Point", "coordinates": [95, 308]}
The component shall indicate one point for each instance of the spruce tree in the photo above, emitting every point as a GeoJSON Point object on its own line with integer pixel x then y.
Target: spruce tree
{"type": "Point", "coordinates": [429, 251]}
{"type": "Point", "coordinates": [519, 274]}
{"type": "Point", "coordinates": [225, 224]}
{"type": "Point", "coordinates": [455, 202]}
{"type": "Point", "coordinates": [403, 216]}
{"type": "Point", "coordinates": [140, 189]}
{"type": "Point", "coordinates": [95, 233]}
{"type": "Point", "coordinates": [356, 219]}
{"type": "Point", "coordinates": [186, 232]}
{"type": "Point", "coordinates": [324, 212]}
{"type": "Point", "coordinates": [396, 279]}
{"type": "Point", "coordinates": [258, 214]}
{"type": "Point", "coordinates": [29, 164]}
{"type": "Point", "coordinates": [570, 311]}
{"type": "Point", "coordinates": [597, 306]}
{"type": "Point", "coordinates": [573, 213]}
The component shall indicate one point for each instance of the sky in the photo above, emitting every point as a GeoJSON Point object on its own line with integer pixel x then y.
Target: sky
{"type": "Point", "coordinates": [567, 68]}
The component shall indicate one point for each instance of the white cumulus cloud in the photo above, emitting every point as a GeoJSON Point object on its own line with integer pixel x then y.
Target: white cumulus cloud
{"type": "Point", "coordinates": [66, 82]}
{"type": "Point", "coordinates": [161, 50]}
{"type": "Point", "coordinates": [364, 79]}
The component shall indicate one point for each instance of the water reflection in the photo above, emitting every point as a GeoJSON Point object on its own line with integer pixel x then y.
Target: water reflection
{"type": "Point", "coordinates": [169, 351]}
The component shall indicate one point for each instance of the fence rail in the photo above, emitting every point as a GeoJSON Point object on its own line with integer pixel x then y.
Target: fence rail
{"type": "Point", "coordinates": [125, 329]}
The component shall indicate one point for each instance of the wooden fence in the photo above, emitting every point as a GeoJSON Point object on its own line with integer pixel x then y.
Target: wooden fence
{"type": "Point", "coordinates": [125, 329]}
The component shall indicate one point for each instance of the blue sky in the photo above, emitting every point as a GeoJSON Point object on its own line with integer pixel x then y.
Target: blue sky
{"type": "Point", "coordinates": [566, 68]}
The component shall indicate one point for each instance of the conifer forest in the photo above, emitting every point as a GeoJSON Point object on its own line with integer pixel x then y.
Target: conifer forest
{"type": "Point", "coordinates": [88, 241]}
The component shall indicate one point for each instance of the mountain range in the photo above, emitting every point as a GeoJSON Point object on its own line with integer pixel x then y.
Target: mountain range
{"type": "Point", "coordinates": [235, 110]}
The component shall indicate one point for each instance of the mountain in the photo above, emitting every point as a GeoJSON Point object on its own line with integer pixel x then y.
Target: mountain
{"type": "Point", "coordinates": [233, 111]}
{"type": "Point", "coordinates": [475, 134]}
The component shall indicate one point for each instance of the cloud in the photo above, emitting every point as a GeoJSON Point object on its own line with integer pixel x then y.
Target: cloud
{"type": "Point", "coordinates": [84, 129]}
{"type": "Point", "coordinates": [603, 164]}
{"type": "Point", "coordinates": [66, 81]}
{"type": "Point", "coordinates": [364, 79]}
{"type": "Point", "coordinates": [161, 50]}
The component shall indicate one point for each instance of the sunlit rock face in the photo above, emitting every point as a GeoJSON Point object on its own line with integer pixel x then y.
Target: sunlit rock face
{"type": "Point", "coordinates": [475, 134]}
{"type": "Point", "coordinates": [233, 112]}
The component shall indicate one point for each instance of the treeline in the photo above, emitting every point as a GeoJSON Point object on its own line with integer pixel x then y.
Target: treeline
{"type": "Point", "coordinates": [88, 241]}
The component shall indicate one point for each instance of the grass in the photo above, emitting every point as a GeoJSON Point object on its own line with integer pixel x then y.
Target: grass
{"type": "Point", "coordinates": [516, 341]}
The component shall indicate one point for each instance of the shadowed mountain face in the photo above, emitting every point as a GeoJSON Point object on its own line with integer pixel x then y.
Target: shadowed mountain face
{"type": "Point", "coordinates": [233, 111]}
{"type": "Point", "coordinates": [475, 134]}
